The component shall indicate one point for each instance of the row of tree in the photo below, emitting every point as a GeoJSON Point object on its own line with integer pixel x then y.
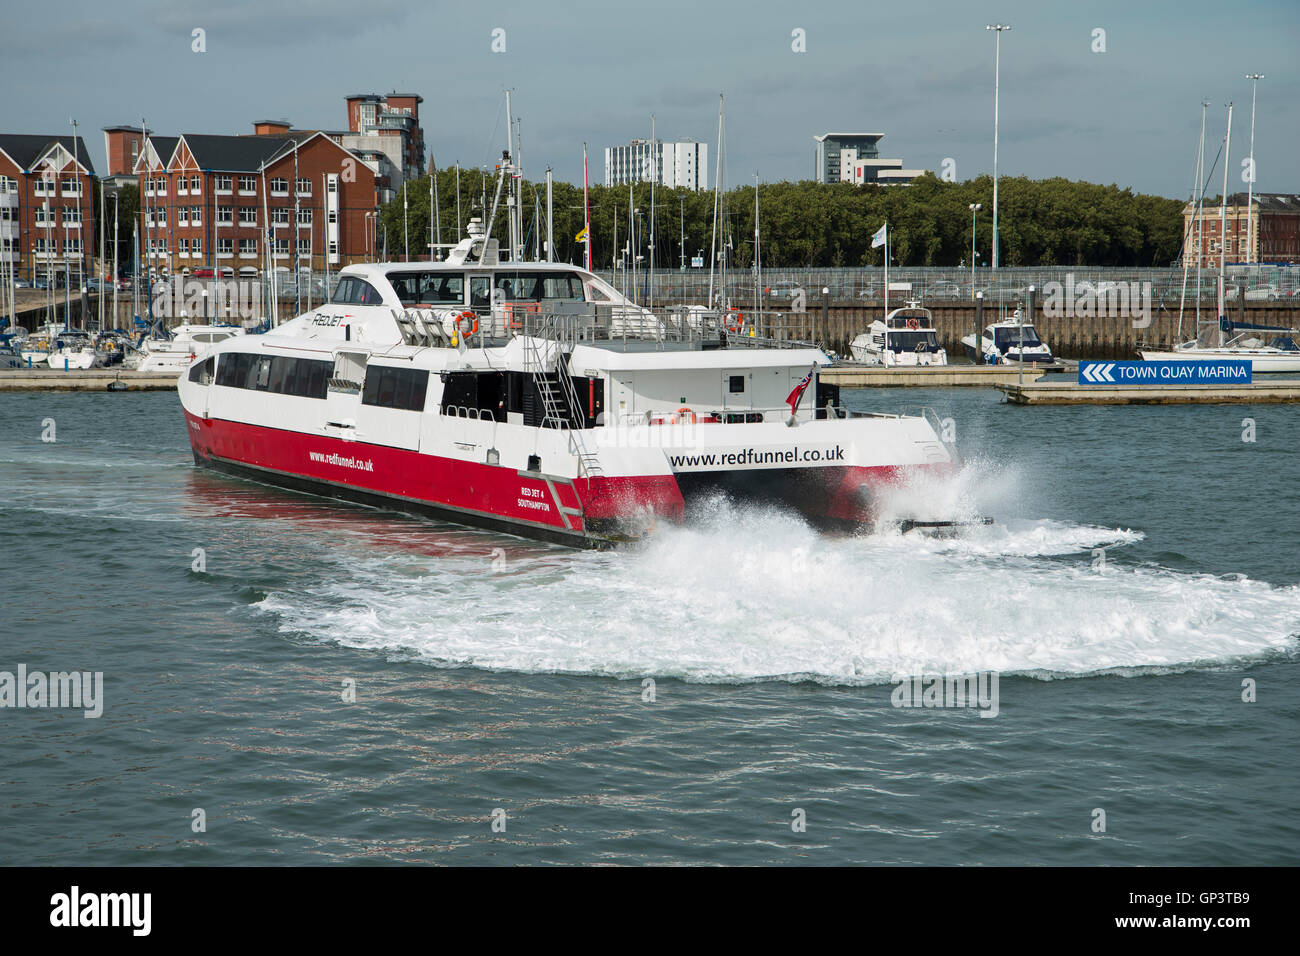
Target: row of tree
{"type": "Point", "coordinates": [809, 224]}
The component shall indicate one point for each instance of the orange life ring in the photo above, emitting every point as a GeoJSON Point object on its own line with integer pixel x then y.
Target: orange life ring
{"type": "Point", "coordinates": [681, 414]}
{"type": "Point", "coordinates": [913, 324]}
{"type": "Point", "coordinates": [735, 320]}
{"type": "Point", "coordinates": [467, 317]}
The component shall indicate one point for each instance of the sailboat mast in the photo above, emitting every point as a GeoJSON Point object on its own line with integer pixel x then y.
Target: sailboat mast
{"type": "Point", "coordinates": [1201, 177]}
{"type": "Point", "coordinates": [1196, 180]}
{"type": "Point", "coordinates": [717, 167]}
{"type": "Point", "coordinates": [1223, 221]}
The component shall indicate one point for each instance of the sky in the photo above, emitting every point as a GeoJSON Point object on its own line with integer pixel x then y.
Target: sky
{"type": "Point", "coordinates": [919, 71]}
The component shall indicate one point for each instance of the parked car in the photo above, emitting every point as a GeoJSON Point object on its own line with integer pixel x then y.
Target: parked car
{"type": "Point", "coordinates": [943, 290]}
{"type": "Point", "coordinates": [783, 290]}
{"type": "Point", "coordinates": [26, 284]}
{"type": "Point", "coordinates": [206, 273]}
{"type": "Point", "coordinates": [1263, 293]}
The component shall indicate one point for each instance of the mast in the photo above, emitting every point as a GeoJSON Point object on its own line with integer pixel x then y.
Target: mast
{"type": "Point", "coordinates": [550, 219]}
{"type": "Point", "coordinates": [1250, 186]}
{"type": "Point", "coordinates": [1201, 178]}
{"type": "Point", "coordinates": [586, 208]}
{"type": "Point", "coordinates": [717, 185]}
{"type": "Point", "coordinates": [655, 156]}
{"type": "Point", "coordinates": [758, 259]}
{"type": "Point", "coordinates": [1182, 301]}
{"type": "Point", "coordinates": [1223, 221]}
{"type": "Point", "coordinates": [458, 228]}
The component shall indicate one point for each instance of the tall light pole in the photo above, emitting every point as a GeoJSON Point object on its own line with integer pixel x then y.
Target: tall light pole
{"type": "Point", "coordinates": [997, 29]}
{"type": "Point", "coordinates": [974, 208]}
{"type": "Point", "coordinates": [1250, 186]}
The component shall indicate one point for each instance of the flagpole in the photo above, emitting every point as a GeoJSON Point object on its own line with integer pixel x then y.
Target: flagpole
{"type": "Point", "coordinates": [886, 268]}
{"type": "Point", "coordinates": [586, 206]}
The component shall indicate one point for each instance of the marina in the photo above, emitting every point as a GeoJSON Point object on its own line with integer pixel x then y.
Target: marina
{"type": "Point", "coordinates": [1068, 393]}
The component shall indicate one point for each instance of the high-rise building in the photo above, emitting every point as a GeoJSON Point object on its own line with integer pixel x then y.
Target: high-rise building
{"type": "Point", "coordinates": [387, 124]}
{"type": "Point", "coordinates": [682, 164]}
{"type": "Point", "coordinates": [855, 158]}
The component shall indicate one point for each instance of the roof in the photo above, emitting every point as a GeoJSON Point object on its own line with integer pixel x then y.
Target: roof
{"type": "Point", "coordinates": [825, 136]}
{"type": "Point", "coordinates": [608, 360]}
{"type": "Point", "coordinates": [1270, 202]}
{"type": "Point", "coordinates": [238, 154]}
{"type": "Point", "coordinates": [26, 150]}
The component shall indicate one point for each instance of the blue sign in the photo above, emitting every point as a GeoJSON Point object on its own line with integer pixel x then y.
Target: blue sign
{"type": "Point", "coordinates": [1172, 372]}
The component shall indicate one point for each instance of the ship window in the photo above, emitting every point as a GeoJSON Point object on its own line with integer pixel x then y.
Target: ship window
{"type": "Point", "coordinates": [354, 291]}
{"type": "Point", "coordinates": [401, 388]}
{"type": "Point", "coordinates": [201, 373]}
{"type": "Point", "coordinates": [737, 383]}
{"type": "Point", "coordinates": [306, 378]}
{"type": "Point", "coordinates": [428, 287]}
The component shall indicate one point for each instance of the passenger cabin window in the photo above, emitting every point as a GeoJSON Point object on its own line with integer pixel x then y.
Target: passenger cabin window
{"type": "Point", "coordinates": [354, 291]}
{"type": "Point", "coordinates": [401, 388]}
{"type": "Point", "coordinates": [201, 373]}
{"type": "Point", "coordinates": [305, 378]}
{"type": "Point", "coordinates": [539, 286]}
{"type": "Point", "coordinates": [737, 384]}
{"type": "Point", "coordinates": [428, 288]}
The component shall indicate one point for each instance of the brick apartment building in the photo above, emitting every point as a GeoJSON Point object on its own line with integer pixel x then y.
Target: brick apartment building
{"type": "Point", "coordinates": [1274, 231]}
{"type": "Point", "coordinates": [388, 124]}
{"type": "Point", "coordinates": [298, 195]}
{"type": "Point", "coordinates": [47, 208]}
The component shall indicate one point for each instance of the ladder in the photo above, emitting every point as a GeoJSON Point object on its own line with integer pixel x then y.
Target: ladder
{"type": "Point", "coordinates": [559, 398]}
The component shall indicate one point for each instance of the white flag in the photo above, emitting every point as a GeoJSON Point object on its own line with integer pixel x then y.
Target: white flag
{"type": "Point", "coordinates": [879, 238]}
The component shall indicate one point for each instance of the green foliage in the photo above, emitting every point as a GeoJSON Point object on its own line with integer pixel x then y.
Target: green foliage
{"type": "Point", "coordinates": [1040, 222]}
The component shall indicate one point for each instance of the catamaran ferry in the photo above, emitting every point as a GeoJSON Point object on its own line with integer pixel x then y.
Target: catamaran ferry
{"type": "Point", "coordinates": [533, 398]}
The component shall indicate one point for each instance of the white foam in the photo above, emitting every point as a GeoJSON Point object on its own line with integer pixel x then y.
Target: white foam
{"type": "Point", "coordinates": [746, 594]}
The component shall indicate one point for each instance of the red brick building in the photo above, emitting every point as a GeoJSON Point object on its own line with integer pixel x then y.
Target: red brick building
{"type": "Point", "coordinates": [47, 210]}
{"type": "Point", "coordinates": [228, 201]}
{"type": "Point", "coordinates": [389, 123]}
{"type": "Point", "coordinates": [1274, 231]}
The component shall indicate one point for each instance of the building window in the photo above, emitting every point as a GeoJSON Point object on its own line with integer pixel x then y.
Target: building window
{"type": "Point", "coordinates": [247, 248]}
{"type": "Point", "coordinates": [304, 217]}
{"type": "Point", "coordinates": [45, 187]}
{"type": "Point", "coordinates": [225, 215]}
{"type": "Point", "coordinates": [182, 215]}
{"type": "Point", "coordinates": [304, 248]}
{"type": "Point", "coordinates": [71, 187]}
{"type": "Point", "coordinates": [185, 248]}
{"type": "Point", "coordinates": [71, 216]}
{"type": "Point", "coordinates": [160, 186]}
{"type": "Point", "coordinates": [72, 245]}
{"type": "Point", "coordinates": [196, 246]}
{"type": "Point", "coordinates": [303, 186]}
{"type": "Point", "coordinates": [225, 246]}
{"type": "Point", "coordinates": [279, 187]}
{"type": "Point", "coordinates": [196, 215]}
{"type": "Point", "coordinates": [280, 216]}
{"type": "Point", "coordinates": [248, 184]}
{"type": "Point", "coordinates": [223, 184]}
{"type": "Point", "coordinates": [248, 215]}
{"type": "Point", "coordinates": [196, 184]}
{"type": "Point", "coordinates": [281, 247]}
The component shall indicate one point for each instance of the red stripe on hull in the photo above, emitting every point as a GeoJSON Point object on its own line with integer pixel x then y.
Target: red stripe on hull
{"type": "Point", "coordinates": [471, 488]}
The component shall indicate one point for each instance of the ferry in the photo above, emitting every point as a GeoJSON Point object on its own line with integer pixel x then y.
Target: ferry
{"type": "Point", "coordinates": [532, 398]}
{"type": "Point", "coordinates": [1007, 343]}
{"type": "Point", "coordinates": [904, 337]}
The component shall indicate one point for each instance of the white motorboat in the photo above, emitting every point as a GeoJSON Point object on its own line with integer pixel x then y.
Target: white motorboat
{"type": "Point", "coordinates": [1008, 343]}
{"type": "Point", "coordinates": [186, 343]}
{"type": "Point", "coordinates": [905, 337]}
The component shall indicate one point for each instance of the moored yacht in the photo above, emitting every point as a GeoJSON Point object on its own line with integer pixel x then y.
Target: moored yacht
{"type": "Point", "coordinates": [1007, 343]}
{"type": "Point", "coordinates": [75, 349]}
{"type": "Point", "coordinates": [904, 337]}
{"type": "Point", "coordinates": [186, 343]}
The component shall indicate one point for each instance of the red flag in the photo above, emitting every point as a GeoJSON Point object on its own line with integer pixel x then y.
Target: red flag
{"type": "Point", "coordinates": [796, 394]}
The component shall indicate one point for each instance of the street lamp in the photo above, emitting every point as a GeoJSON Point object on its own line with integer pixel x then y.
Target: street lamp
{"type": "Point", "coordinates": [974, 208]}
{"type": "Point", "coordinates": [997, 29]}
{"type": "Point", "coordinates": [1250, 186]}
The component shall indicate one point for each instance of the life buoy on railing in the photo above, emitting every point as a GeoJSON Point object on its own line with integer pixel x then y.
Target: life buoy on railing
{"type": "Point", "coordinates": [681, 414]}
{"type": "Point", "coordinates": [913, 324]}
{"type": "Point", "coordinates": [467, 318]}
{"type": "Point", "coordinates": [735, 320]}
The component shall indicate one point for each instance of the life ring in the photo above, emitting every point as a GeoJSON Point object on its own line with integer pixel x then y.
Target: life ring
{"type": "Point", "coordinates": [467, 317]}
{"type": "Point", "coordinates": [735, 320]}
{"type": "Point", "coordinates": [680, 416]}
{"type": "Point", "coordinates": [913, 324]}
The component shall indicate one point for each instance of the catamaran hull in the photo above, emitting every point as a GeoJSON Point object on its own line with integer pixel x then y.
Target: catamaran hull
{"type": "Point", "coordinates": [1274, 362]}
{"type": "Point", "coordinates": [587, 513]}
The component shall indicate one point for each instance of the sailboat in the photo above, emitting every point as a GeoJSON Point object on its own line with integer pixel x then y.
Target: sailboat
{"type": "Point", "coordinates": [1269, 348]}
